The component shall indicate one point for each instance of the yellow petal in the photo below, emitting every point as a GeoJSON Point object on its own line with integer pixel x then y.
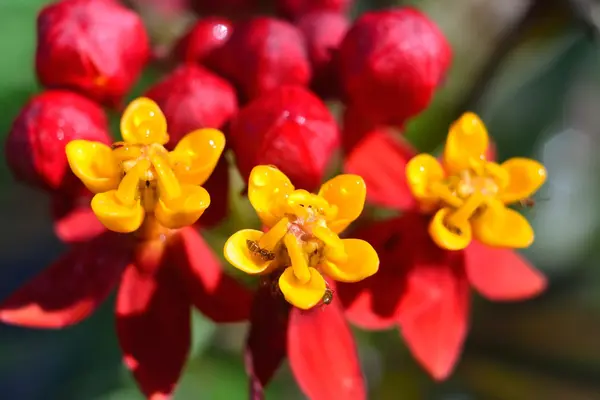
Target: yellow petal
{"type": "Point", "coordinates": [362, 262]}
{"type": "Point", "coordinates": [144, 123]}
{"type": "Point", "coordinates": [302, 295]}
{"type": "Point", "coordinates": [184, 210]}
{"type": "Point", "coordinates": [116, 216]}
{"type": "Point", "coordinates": [238, 253]}
{"type": "Point", "coordinates": [525, 178]}
{"type": "Point", "coordinates": [467, 140]}
{"type": "Point", "coordinates": [268, 189]}
{"type": "Point", "coordinates": [196, 155]}
{"type": "Point", "coordinates": [498, 226]}
{"type": "Point", "coordinates": [446, 236]}
{"type": "Point", "coordinates": [347, 192]}
{"type": "Point", "coordinates": [422, 172]}
{"type": "Point", "coordinates": [93, 164]}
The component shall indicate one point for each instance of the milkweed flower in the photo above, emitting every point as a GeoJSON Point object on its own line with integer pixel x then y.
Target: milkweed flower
{"type": "Point", "coordinates": [457, 231]}
{"type": "Point", "coordinates": [300, 248]}
{"type": "Point", "coordinates": [164, 266]}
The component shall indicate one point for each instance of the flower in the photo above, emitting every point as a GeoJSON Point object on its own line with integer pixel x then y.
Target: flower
{"type": "Point", "coordinates": [139, 176]}
{"type": "Point", "coordinates": [428, 261]}
{"type": "Point", "coordinates": [300, 247]}
{"type": "Point", "coordinates": [295, 9]}
{"type": "Point", "coordinates": [36, 141]}
{"type": "Point", "coordinates": [391, 62]}
{"type": "Point", "coordinates": [162, 270]}
{"type": "Point", "coordinates": [324, 32]}
{"type": "Point", "coordinates": [200, 42]}
{"type": "Point", "coordinates": [97, 47]}
{"type": "Point", "coordinates": [264, 53]}
{"type": "Point", "coordinates": [288, 127]}
{"type": "Point", "coordinates": [302, 240]}
{"type": "Point", "coordinates": [471, 193]}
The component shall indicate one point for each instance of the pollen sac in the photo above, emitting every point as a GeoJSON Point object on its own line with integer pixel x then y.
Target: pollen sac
{"type": "Point", "coordinates": [297, 8]}
{"type": "Point", "coordinates": [290, 128]}
{"type": "Point", "coordinates": [35, 146]}
{"type": "Point", "coordinates": [97, 47]}
{"type": "Point", "coordinates": [262, 54]}
{"type": "Point", "coordinates": [324, 31]}
{"type": "Point", "coordinates": [139, 177]}
{"type": "Point", "coordinates": [200, 42]}
{"type": "Point", "coordinates": [192, 97]}
{"type": "Point", "coordinates": [391, 62]}
{"type": "Point", "coordinates": [302, 245]}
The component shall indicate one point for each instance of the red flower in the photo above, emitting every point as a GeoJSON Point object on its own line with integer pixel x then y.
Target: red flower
{"type": "Point", "coordinates": [391, 62]}
{"type": "Point", "coordinates": [297, 8]}
{"type": "Point", "coordinates": [263, 54]}
{"type": "Point", "coordinates": [290, 128]}
{"type": "Point", "coordinates": [318, 343]}
{"type": "Point", "coordinates": [97, 47]}
{"type": "Point", "coordinates": [423, 288]}
{"type": "Point", "coordinates": [324, 32]}
{"type": "Point", "coordinates": [162, 272]}
{"type": "Point", "coordinates": [202, 39]}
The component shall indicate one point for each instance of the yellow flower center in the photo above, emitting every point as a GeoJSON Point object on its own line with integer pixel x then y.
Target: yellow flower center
{"type": "Point", "coordinates": [302, 243]}
{"type": "Point", "coordinates": [469, 194]}
{"type": "Point", "coordinates": [138, 176]}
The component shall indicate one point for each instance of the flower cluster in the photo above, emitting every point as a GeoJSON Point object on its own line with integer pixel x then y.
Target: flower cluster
{"type": "Point", "coordinates": [256, 87]}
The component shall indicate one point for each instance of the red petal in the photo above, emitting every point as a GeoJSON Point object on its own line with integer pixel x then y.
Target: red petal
{"type": "Point", "coordinates": [373, 303]}
{"type": "Point", "coordinates": [381, 160]}
{"type": "Point", "coordinates": [71, 288]}
{"type": "Point", "coordinates": [434, 311]}
{"type": "Point", "coordinates": [218, 188]}
{"type": "Point", "coordinates": [502, 274]}
{"type": "Point", "coordinates": [74, 220]}
{"type": "Point", "coordinates": [153, 327]}
{"type": "Point", "coordinates": [216, 294]}
{"type": "Point", "coordinates": [323, 355]}
{"type": "Point", "coordinates": [267, 340]}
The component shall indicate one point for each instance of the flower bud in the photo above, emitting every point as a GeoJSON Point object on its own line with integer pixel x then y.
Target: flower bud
{"type": "Point", "coordinates": [391, 63]}
{"type": "Point", "coordinates": [324, 32]}
{"type": "Point", "coordinates": [96, 47]}
{"type": "Point", "coordinates": [35, 146]}
{"type": "Point", "coordinates": [191, 98]}
{"type": "Point", "coordinates": [288, 127]}
{"type": "Point", "coordinates": [202, 39]}
{"type": "Point", "coordinates": [297, 8]}
{"type": "Point", "coordinates": [262, 54]}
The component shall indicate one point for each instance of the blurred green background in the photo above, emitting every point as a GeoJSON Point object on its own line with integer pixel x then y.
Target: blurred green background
{"type": "Point", "coordinates": [532, 71]}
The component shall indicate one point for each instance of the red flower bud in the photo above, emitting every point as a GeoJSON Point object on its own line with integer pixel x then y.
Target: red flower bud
{"type": "Point", "coordinates": [262, 54]}
{"type": "Point", "coordinates": [97, 47]}
{"type": "Point", "coordinates": [35, 147]}
{"type": "Point", "coordinates": [288, 127]}
{"type": "Point", "coordinates": [297, 8]}
{"type": "Point", "coordinates": [324, 32]}
{"type": "Point", "coordinates": [192, 97]}
{"type": "Point", "coordinates": [391, 63]}
{"type": "Point", "coordinates": [202, 39]}
{"type": "Point", "coordinates": [224, 7]}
